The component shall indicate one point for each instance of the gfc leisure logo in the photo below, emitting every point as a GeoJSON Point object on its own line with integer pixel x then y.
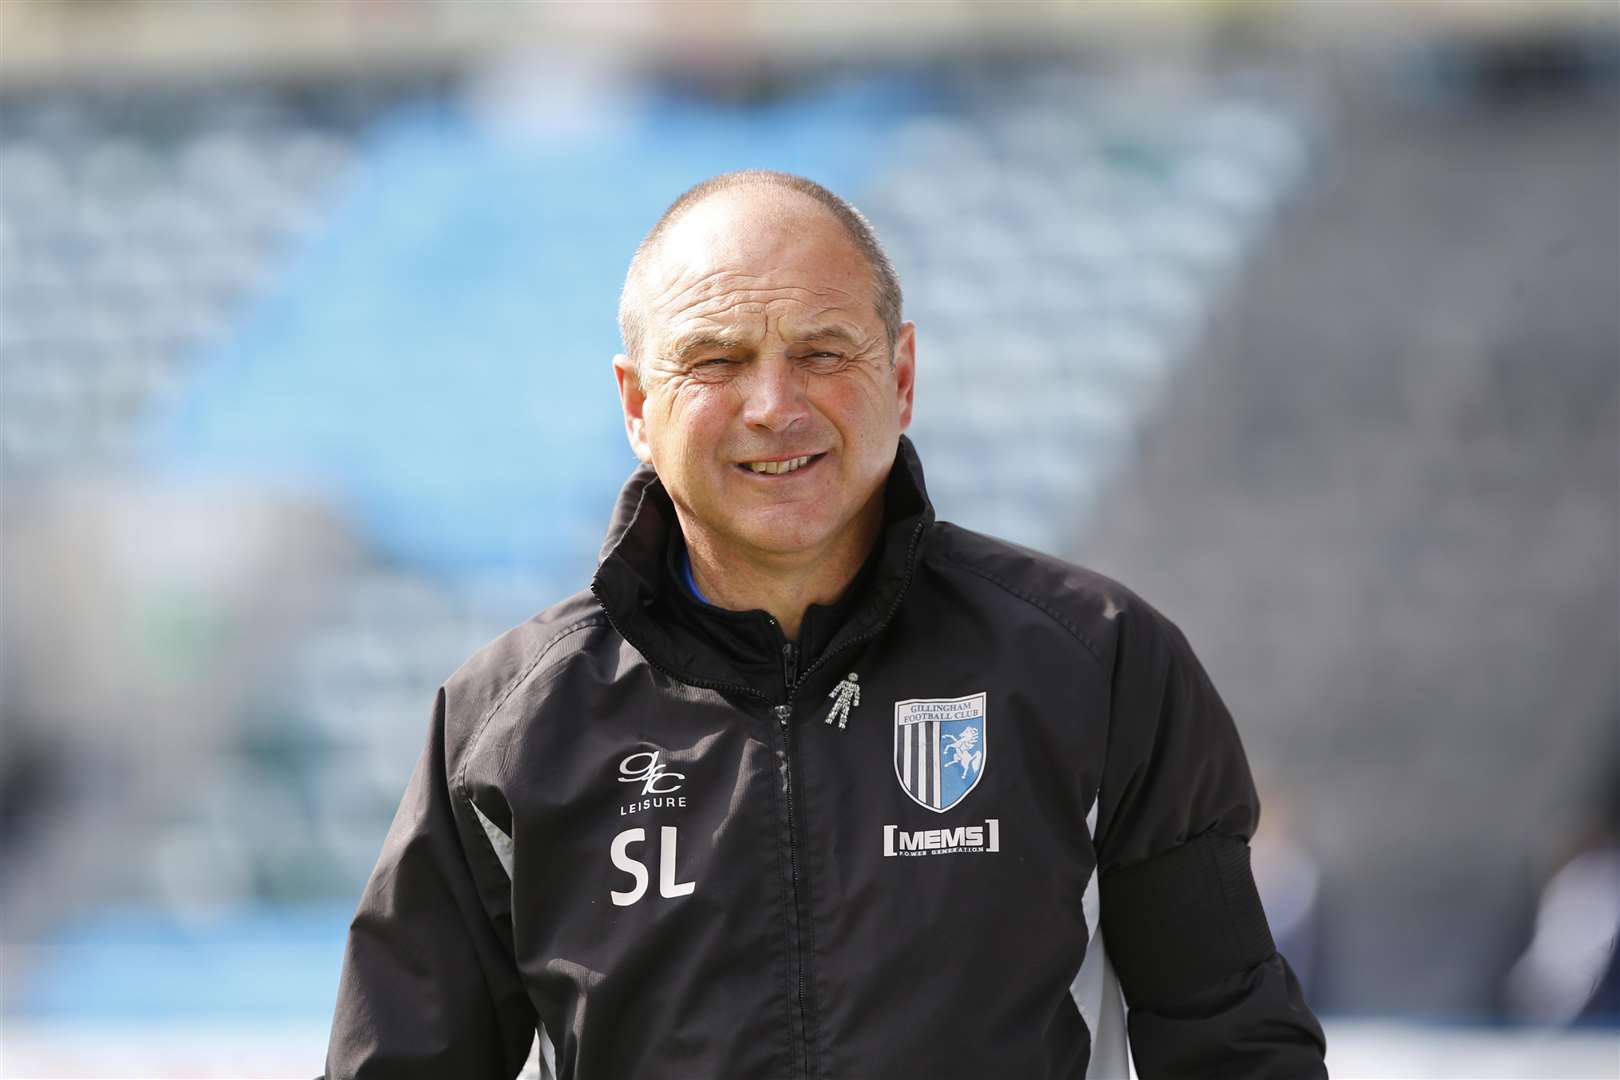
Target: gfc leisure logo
{"type": "Point", "coordinates": [658, 783]}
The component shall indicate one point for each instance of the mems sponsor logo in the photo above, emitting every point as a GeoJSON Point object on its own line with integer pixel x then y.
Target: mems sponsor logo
{"type": "Point", "coordinates": [974, 839]}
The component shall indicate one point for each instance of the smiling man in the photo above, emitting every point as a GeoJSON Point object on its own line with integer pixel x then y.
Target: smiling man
{"type": "Point", "coordinates": [766, 389]}
{"type": "Point", "coordinates": [809, 784]}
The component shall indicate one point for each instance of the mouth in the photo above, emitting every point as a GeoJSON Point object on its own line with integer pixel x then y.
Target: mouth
{"type": "Point", "coordinates": [781, 466]}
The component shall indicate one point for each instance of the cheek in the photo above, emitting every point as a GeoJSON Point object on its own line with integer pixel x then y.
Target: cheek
{"type": "Point", "coordinates": [695, 424]}
{"type": "Point", "coordinates": [861, 405]}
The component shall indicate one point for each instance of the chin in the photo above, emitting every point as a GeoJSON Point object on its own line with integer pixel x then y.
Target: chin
{"type": "Point", "coordinates": [785, 537]}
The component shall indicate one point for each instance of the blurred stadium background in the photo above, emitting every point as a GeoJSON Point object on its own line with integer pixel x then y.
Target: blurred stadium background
{"type": "Point", "coordinates": [1301, 318]}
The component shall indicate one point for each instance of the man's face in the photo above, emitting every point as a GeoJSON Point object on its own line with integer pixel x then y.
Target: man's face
{"type": "Point", "coordinates": [767, 399]}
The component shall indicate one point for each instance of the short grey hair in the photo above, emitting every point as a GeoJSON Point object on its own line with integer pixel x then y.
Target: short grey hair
{"type": "Point", "coordinates": [886, 299]}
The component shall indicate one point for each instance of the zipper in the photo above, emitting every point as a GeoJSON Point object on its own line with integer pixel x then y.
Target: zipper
{"type": "Point", "coordinates": [784, 717]}
{"type": "Point", "coordinates": [791, 678]}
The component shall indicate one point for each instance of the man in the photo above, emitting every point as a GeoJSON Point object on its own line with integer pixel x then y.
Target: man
{"type": "Point", "coordinates": [810, 784]}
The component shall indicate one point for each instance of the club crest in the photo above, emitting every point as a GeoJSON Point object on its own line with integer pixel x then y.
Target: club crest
{"type": "Point", "coordinates": [940, 745]}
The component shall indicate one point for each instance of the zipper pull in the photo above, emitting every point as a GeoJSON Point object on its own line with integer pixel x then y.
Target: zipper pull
{"type": "Point", "coordinates": [784, 713]}
{"type": "Point", "coordinates": [790, 665]}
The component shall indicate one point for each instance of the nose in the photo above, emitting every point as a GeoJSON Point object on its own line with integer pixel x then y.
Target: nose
{"type": "Point", "coordinates": [774, 395]}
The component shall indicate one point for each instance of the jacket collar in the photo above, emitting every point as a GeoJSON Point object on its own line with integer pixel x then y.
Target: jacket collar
{"type": "Point", "coordinates": [641, 596]}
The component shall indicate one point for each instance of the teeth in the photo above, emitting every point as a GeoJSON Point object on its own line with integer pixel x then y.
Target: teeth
{"type": "Point", "coordinates": [776, 467]}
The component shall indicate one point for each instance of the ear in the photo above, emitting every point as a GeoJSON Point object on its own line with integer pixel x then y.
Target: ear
{"type": "Point", "coordinates": [905, 370]}
{"type": "Point", "coordinates": [633, 399]}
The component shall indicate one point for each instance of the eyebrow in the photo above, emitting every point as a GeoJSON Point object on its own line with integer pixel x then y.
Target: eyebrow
{"type": "Point", "coordinates": [830, 332]}
{"type": "Point", "coordinates": [685, 346]}
{"type": "Point", "coordinates": [700, 340]}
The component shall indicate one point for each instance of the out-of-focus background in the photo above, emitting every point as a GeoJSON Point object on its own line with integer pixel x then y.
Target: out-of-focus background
{"type": "Point", "coordinates": [1303, 319]}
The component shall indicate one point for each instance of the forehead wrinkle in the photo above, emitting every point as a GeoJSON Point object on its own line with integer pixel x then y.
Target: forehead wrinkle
{"type": "Point", "coordinates": [679, 286]}
{"type": "Point", "coordinates": [831, 321]}
{"type": "Point", "coordinates": [682, 280]}
{"type": "Point", "coordinates": [761, 293]}
{"type": "Point", "coordinates": [689, 330]}
{"type": "Point", "coordinates": [764, 302]}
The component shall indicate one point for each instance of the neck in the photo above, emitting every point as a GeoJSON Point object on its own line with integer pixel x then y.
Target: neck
{"type": "Point", "coordinates": [783, 585]}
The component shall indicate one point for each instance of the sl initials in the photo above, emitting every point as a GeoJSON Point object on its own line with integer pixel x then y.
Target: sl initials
{"type": "Point", "coordinates": [668, 887]}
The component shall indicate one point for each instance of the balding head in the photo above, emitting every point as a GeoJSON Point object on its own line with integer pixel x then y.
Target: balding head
{"type": "Point", "coordinates": [771, 199]}
{"type": "Point", "coordinates": [765, 386]}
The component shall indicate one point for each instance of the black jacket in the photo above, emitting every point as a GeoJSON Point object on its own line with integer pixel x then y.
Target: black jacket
{"type": "Point", "coordinates": [640, 826]}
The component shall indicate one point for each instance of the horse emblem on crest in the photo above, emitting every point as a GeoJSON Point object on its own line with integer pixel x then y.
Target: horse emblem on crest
{"type": "Point", "coordinates": [963, 752]}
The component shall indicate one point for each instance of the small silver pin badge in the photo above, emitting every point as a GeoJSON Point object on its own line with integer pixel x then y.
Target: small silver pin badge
{"type": "Point", "coordinates": [846, 696]}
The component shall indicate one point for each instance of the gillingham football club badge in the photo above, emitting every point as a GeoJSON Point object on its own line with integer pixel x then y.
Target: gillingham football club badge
{"type": "Point", "coordinates": [940, 745]}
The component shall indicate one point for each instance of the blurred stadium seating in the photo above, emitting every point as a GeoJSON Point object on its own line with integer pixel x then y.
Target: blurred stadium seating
{"type": "Point", "coordinates": [306, 396]}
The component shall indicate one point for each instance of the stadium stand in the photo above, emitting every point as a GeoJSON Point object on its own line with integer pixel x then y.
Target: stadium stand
{"type": "Point", "coordinates": [1402, 433]}
{"type": "Point", "coordinates": [132, 231]}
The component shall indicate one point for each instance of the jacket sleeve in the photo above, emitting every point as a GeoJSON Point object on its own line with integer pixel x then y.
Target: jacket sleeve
{"type": "Point", "coordinates": [429, 987]}
{"type": "Point", "coordinates": [1208, 993]}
